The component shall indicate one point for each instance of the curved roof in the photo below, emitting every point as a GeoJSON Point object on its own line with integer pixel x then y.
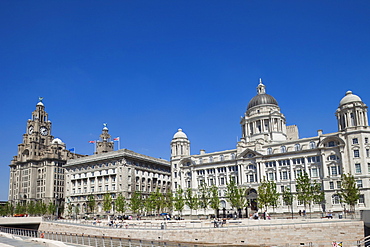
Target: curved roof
{"type": "Point", "coordinates": [262, 99]}
{"type": "Point", "coordinates": [180, 134]}
{"type": "Point", "coordinates": [349, 98]}
{"type": "Point", "coordinates": [57, 141]}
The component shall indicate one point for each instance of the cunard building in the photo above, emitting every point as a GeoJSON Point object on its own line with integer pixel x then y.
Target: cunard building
{"type": "Point", "coordinates": [36, 172]}
{"type": "Point", "coordinates": [271, 150]}
{"type": "Point", "coordinates": [112, 172]}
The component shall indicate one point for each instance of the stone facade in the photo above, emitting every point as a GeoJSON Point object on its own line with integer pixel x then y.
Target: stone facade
{"type": "Point", "coordinates": [250, 233]}
{"type": "Point", "coordinates": [273, 151]}
{"type": "Point", "coordinates": [113, 172]}
{"type": "Point", "coordinates": [36, 172]}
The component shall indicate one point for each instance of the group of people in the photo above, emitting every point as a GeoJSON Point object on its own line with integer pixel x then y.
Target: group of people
{"type": "Point", "coordinates": [264, 216]}
{"type": "Point", "coordinates": [302, 213]}
{"type": "Point", "coordinates": [218, 222]}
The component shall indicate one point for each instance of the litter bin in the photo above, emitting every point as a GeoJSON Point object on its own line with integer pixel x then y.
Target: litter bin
{"type": "Point", "coordinates": [340, 216]}
{"type": "Point", "coordinates": [163, 226]}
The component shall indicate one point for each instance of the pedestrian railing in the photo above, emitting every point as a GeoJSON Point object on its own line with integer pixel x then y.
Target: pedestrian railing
{"type": "Point", "coordinates": [95, 241]}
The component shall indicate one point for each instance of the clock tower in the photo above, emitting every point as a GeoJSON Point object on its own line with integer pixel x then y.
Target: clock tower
{"type": "Point", "coordinates": [36, 172]}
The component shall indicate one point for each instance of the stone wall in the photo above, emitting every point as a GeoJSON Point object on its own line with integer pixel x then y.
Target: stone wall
{"type": "Point", "coordinates": [321, 233]}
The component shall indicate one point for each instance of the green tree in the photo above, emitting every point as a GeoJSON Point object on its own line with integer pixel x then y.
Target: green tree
{"type": "Point", "coordinates": [159, 200]}
{"type": "Point", "coordinates": [235, 195]}
{"type": "Point", "coordinates": [77, 211]}
{"type": "Point", "coordinates": [136, 202]}
{"type": "Point", "coordinates": [70, 209]}
{"type": "Point", "coordinates": [51, 208]}
{"type": "Point", "coordinates": [150, 203]}
{"type": "Point", "coordinates": [349, 192]}
{"type": "Point", "coordinates": [31, 208]}
{"type": "Point", "coordinates": [263, 197]}
{"type": "Point", "coordinates": [308, 191]}
{"type": "Point", "coordinates": [120, 204]}
{"type": "Point", "coordinates": [191, 200]}
{"type": "Point", "coordinates": [203, 196]}
{"type": "Point", "coordinates": [169, 204]}
{"type": "Point", "coordinates": [91, 203]}
{"type": "Point", "coordinates": [43, 208]}
{"type": "Point", "coordinates": [107, 202]}
{"type": "Point", "coordinates": [288, 197]}
{"type": "Point", "coordinates": [179, 201]}
{"type": "Point", "coordinates": [267, 194]}
{"type": "Point", "coordinates": [214, 201]}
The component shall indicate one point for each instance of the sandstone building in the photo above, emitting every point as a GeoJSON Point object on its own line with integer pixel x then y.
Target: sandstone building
{"type": "Point", "coordinates": [36, 172]}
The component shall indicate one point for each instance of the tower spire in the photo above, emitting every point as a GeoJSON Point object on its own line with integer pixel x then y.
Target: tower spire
{"type": "Point", "coordinates": [261, 88]}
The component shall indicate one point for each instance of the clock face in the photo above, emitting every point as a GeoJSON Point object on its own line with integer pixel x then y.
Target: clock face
{"type": "Point", "coordinates": [30, 130]}
{"type": "Point", "coordinates": [43, 131]}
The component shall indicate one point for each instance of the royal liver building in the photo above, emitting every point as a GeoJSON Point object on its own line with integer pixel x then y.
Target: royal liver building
{"type": "Point", "coordinates": [271, 150]}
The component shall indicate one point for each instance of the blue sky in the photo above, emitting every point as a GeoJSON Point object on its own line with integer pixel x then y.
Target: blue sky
{"type": "Point", "coordinates": [148, 68]}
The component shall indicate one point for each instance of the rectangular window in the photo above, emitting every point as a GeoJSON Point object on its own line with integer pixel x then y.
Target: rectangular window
{"type": "Point", "coordinates": [356, 153]}
{"type": "Point", "coordinates": [361, 199]}
{"type": "Point", "coordinates": [251, 178]}
{"type": "Point", "coordinates": [359, 183]}
{"type": "Point", "coordinates": [285, 175]}
{"type": "Point", "coordinates": [334, 170]}
{"type": "Point", "coordinates": [222, 181]}
{"type": "Point", "coordinates": [314, 173]}
{"type": "Point", "coordinates": [354, 141]}
{"type": "Point", "coordinates": [358, 168]}
{"type": "Point", "coordinates": [271, 176]}
{"type": "Point", "coordinates": [339, 184]}
{"type": "Point", "coordinates": [366, 140]}
{"type": "Point", "coordinates": [367, 153]}
{"type": "Point", "coordinates": [331, 185]}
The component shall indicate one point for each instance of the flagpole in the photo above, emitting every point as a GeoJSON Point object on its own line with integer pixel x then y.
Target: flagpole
{"type": "Point", "coordinates": [119, 143]}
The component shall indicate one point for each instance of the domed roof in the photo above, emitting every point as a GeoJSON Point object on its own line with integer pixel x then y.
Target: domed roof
{"type": "Point", "coordinates": [349, 98]}
{"type": "Point", "coordinates": [180, 134]}
{"type": "Point", "coordinates": [262, 98]}
{"type": "Point", "coordinates": [57, 141]}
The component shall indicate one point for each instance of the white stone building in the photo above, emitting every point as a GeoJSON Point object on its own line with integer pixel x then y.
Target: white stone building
{"type": "Point", "coordinates": [114, 172]}
{"type": "Point", "coordinates": [270, 149]}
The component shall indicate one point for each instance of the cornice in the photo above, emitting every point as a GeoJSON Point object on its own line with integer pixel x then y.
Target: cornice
{"type": "Point", "coordinates": [122, 153]}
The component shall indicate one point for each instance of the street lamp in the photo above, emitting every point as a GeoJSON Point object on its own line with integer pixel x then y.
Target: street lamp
{"type": "Point", "coordinates": [291, 194]}
{"type": "Point", "coordinates": [56, 204]}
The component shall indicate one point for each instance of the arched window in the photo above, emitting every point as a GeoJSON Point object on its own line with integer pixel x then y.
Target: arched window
{"type": "Point", "coordinates": [269, 151]}
{"type": "Point", "coordinates": [297, 147]}
{"type": "Point", "coordinates": [283, 149]}
{"type": "Point", "coordinates": [335, 199]}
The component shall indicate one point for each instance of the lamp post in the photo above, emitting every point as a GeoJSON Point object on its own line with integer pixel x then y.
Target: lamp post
{"type": "Point", "coordinates": [291, 194]}
{"type": "Point", "coordinates": [56, 204]}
